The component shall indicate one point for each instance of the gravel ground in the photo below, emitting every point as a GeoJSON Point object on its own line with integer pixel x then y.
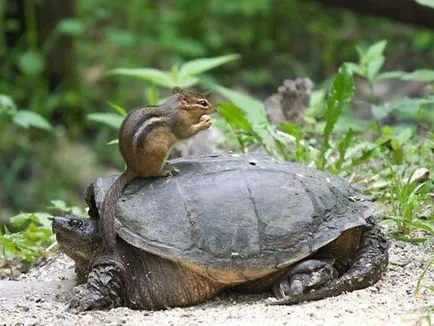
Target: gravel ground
{"type": "Point", "coordinates": [40, 298]}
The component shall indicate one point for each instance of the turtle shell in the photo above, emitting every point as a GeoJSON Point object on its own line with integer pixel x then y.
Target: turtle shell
{"type": "Point", "coordinates": [235, 218]}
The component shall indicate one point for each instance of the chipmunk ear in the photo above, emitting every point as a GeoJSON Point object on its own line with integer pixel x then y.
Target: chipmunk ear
{"type": "Point", "coordinates": [180, 94]}
{"type": "Point", "coordinates": [177, 90]}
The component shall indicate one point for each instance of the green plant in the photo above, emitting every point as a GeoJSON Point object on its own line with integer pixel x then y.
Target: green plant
{"type": "Point", "coordinates": [248, 122]}
{"type": "Point", "coordinates": [186, 75]}
{"type": "Point", "coordinates": [15, 143]}
{"type": "Point", "coordinates": [419, 284]}
{"type": "Point", "coordinates": [30, 243]}
{"type": "Point", "coordinates": [60, 207]}
{"type": "Point", "coordinates": [407, 198]}
{"type": "Point", "coordinates": [371, 61]}
{"type": "Point", "coordinates": [429, 287]}
{"type": "Point", "coordinates": [385, 146]}
{"type": "Point", "coordinates": [428, 3]}
{"type": "Point", "coordinates": [339, 95]}
{"type": "Point", "coordinates": [22, 118]}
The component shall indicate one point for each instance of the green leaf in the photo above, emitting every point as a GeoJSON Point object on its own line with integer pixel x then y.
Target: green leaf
{"type": "Point", "coordinates": [187, 82]}
{"type": "Point", "coordinates": [31, 63]}
{"type": "Point", "coordinates": [408, 238]}
{"type": "Point", "coordinates": [370, 62]}
{"type": "Point", "coordinates": [119, 109]}
{"type": "Point", "coordinates": [374, 67]}
{"type": "Point", "coordinates": [35, 235]}
{"type": "Point", "coordinates": [7, 105]}
{"type": "Point", "coordinates": [390, 75]}
{"type": "Point", "coordinates": [346, 121]}
{"type": "Point", "coordinates": [58, 204]}
{"type": "Point", "coordinates": [381, 112]}
{"type": "Point", "coordinates": [360, 53]}
{"type": "Point", "coordinates": [71, 27]}
{"type": "Point", "coordinates": [23, 219]}
{"type": "Point", "coordinates": [343, 147]}
{"type": "Point", "coordinates": [297, 132]}
{"type": "Point", "coordinates": [423, 75]}
{"type": "Point", "coordinates": [316, 103]}
{"type": "Point", "coordinates": [198, 66]}
{"type": "Point", "coordinates": [44, 220]}
{"type": "Point", "coordinates": [427, 3]}
{"type": "Point", "coordinates": [77, 211]}
{"type": "Point", "coordinates": [234, 116]}
{"type": "Point", "coordinates": [28, 119]}
{"type": "Point", "coordinates": [374, 60]}
{"type": "Point", "coordinates": [292, 129]}
{"type": "Point", "coordinates": [423, 225]}
{"type": "Point", "coordinates": [109, 119]}
{"type": "Point", "coordinates": [120, 37]}
{"type": "Point", "coordinates": [152, 95]}
{"type": "Point", "coordinates": [376, 50]}
{"type": "Point", "coordinates": [339, 95]}
{"type": "Point", "coordinates": [402, 134]}
{"type": "Point", "coordinates": [155, 76]}
{"type": "Point", "coordinates": [360, 154]}
{"type": "Point", "coordinates": [421, 277]}
{"type": "Point", "coordinates": [253, 108]}
{"type": "Point", "coordinates": [113, 142]}
{"type": "Point", "coordinates": [355, 68]}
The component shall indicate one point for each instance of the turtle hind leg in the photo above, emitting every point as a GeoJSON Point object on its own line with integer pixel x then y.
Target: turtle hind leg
{"type": "Point", "coordinates": [102, 289]}
{"type": "Point", "coordinates": [305, 276]}
{"type": "Point", "coordinates": [310, 282]}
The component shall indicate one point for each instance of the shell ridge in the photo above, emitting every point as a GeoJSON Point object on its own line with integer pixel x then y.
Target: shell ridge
{"type": "Point", "coordinates": [255, 209]}
{"type": "Point", "coordinates": [190, 216]}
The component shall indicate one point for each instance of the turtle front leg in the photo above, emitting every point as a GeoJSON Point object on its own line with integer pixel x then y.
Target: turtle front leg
{"type": "Point", "coordinates": [304, 277]}
{"type": "Point", "coordinates": [102, 290]}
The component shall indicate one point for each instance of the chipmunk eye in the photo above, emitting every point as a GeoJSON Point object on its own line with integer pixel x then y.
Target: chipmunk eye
{"type": "Point", "coordinates": [204, 103]}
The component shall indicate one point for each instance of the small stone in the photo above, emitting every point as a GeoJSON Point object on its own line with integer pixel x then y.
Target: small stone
{"type": "Point", "coordinates": [25, 308]}
{"type": "Point", "coordinates": [419, 175]}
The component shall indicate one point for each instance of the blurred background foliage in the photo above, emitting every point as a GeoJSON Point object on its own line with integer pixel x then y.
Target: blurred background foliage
{"type": "Point", "coordinates": [54, 56]}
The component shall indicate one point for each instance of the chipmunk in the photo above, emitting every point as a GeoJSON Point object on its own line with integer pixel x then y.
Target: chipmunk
{"type": "Point", "coordinates": [146, 137]}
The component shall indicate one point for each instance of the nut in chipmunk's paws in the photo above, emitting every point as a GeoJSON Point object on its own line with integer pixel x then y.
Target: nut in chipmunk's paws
{"type": "Point", "coordinates": [206, 121]}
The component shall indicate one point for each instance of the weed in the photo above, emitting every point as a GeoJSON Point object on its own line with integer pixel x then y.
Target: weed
{"type": "Point", "coordinates": [31, 242]}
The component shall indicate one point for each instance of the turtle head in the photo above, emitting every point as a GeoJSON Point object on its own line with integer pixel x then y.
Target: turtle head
{"type": "Point", "coordinates": [78, 238]}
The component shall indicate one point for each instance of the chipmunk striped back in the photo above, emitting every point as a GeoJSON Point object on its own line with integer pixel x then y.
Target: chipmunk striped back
{"type": "Point", "coordinates": [146, 137]}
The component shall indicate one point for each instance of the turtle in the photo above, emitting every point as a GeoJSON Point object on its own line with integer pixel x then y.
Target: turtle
{"type": "Point", "coordinates": [227, 221]}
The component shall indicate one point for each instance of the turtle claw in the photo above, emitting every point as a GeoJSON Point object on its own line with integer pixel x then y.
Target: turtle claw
{"type": "Point", "coordinates": [303, 278]}
{"type": "Point", "coordinates": [82, 300]}
{"type": "Point", "coordinates": [87, 300]}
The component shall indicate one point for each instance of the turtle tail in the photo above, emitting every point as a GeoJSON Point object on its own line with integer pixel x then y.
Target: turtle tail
{"type": "Point", "coordinates": [108, 211]}
{"type": "Point", "coordinates": [369, 264]}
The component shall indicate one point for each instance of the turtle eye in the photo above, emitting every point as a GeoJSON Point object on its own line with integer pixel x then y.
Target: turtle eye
{"type": "Point", "coordinates": [76, 223]}
{"type": "Point", "coordinates": [203, 103]}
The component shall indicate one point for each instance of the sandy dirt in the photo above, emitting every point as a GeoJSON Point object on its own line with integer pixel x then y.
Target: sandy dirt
{"type": "Point", "coordinates": [40, 298]}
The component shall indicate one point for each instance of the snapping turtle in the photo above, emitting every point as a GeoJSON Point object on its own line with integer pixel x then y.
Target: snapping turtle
{"type": "Point", "coordinates": [242, 221]}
